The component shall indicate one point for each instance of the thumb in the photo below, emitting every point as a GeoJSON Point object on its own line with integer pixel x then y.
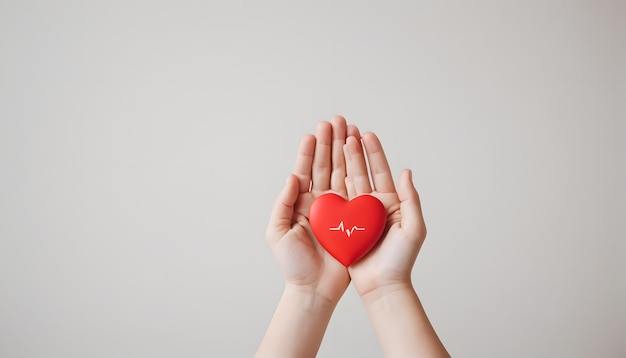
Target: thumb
{"type": "Point", "coordinates": [410, 207]}
{"type": "Point", "coordinates": [282, 211]}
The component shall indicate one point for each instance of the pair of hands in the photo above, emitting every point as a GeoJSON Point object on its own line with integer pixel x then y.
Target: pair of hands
{"type": "Point", "coordinates": [333, 160]}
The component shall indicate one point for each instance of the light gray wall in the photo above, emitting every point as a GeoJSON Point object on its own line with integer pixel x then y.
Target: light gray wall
{"type": "Point", "coordinates": [142, 144]}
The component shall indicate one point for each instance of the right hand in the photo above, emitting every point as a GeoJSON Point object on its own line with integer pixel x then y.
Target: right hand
{"type": "Point", "coordinates": [320, 168]}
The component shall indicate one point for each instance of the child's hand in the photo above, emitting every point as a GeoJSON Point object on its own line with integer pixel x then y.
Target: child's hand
{"type": "Point", "coordinates": [383, 276]}
{"type": "Point", "coordinates": [320, 168]}
{"type": "Point", "coordinates": [388, 265]}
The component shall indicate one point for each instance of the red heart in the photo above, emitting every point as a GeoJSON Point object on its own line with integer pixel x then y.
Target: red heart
{"type": "Point", "coordinates": [347, 229]}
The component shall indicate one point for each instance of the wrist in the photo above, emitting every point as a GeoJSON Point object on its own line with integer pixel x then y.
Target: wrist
{"type": "Point", "coordinates": [400, 322]}
{"type": "Point", "coordinates": [384, 294]}
{"type": "Point", "coordinates": [298, 325]}
{"type": "Point", "coordinates": [310, 301]}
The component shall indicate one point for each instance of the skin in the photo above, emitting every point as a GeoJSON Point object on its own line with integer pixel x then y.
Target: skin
{"type": "Point", "coordinates": [314, 280]}
{"type": "Point", "coordinates": [334, 160]}
{"type": "Point", "coordinates": [383, 277]}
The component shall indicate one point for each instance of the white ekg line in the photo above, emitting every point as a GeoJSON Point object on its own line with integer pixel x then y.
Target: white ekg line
{"type": "Point", "coordinates": [349, 231]}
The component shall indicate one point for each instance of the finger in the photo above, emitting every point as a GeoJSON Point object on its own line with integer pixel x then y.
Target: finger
{"type": "Point", "coordinates": [356, 166]}
{"type": "Point", "coordinates": [304, 162]}
{"type": "Point", "coordinates": [350, 188]}
{"type": "Point", "coordinates": [321, 160]}
{"type": "Point", "coordinates": [410, 207]}
{"type": "Point", "coordinates": [353, 131]}
{"type": "Point", "coordinates": [379, 167]}
{"type": "Point", "coordinates": [338, 174]}
{"type": "Point", "coordinates": [281, 217]}
{"type": "Point", "coordinates": [349, 176]}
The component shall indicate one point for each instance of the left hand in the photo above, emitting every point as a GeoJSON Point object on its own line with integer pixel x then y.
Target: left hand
{"type": "Point", "coordinates": [388, 265]}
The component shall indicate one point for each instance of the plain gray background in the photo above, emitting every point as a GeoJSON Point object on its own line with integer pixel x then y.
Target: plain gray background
{"type": "Point", "coordinates": [142, 144]}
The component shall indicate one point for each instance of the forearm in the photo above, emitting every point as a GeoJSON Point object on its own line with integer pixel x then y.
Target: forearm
{"type": "Point", "coordinates": [401, 324]}
{"type": "Point", "coordinates": [298, 325]}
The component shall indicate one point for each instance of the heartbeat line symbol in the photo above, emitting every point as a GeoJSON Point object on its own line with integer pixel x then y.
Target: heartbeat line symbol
{"type": "Point", "coordinates": [349, 231]}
